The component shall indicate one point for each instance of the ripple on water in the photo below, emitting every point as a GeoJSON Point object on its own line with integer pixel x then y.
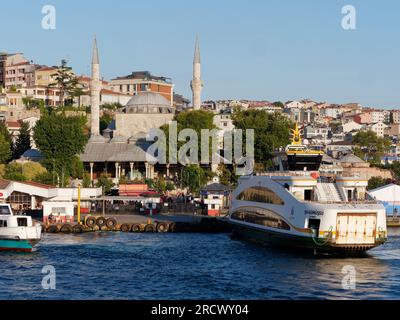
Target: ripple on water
{"type": "Point", "coordinates": [191, 266]}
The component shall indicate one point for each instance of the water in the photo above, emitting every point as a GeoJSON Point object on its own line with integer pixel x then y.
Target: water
{"type": "Point", "coordinates": [191, 266]}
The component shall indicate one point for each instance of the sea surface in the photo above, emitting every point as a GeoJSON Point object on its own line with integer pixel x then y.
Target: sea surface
{"type": "Point", "coordinates": [193, 266]}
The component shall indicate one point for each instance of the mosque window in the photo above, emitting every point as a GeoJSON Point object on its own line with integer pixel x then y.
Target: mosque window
{"type": "Point", "coordinates": [262, 217]}
{"type": "Point", "coordinates": [260, 194]}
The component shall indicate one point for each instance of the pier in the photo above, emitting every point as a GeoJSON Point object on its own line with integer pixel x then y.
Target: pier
{"type": "Point", "coordinates": [139, 223]}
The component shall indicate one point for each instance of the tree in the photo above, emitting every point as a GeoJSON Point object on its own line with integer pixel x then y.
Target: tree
{"type": "Point", "coordinates": [196, 120]}
{"type": "Point", "coordinates": [31, 169]}
{"type": "Point", "coordinates": [370, 147]}
{"type": "Point", "coordinates": [86, 182]}
{"type": "Point", "coordinates": [6, 134]}
{"type": "Point", "coordinates": [32, 103]}
{"type": "Point", "coordinates": [60, 139]}
{"type": "Point", "coordinates": [105, 121]}
{"type": "Point", "coordinates": [14, 172]}
{"type": "Point", "coordinates": [66, 81]}
{"type": "Point", "coordinates": [23, 142]}
{"type": "Point", "coordinates": [376, 182]}
{"type": "Point", "coordinates": [271, 131]}
{"type": "Point", "coordinates": [45, 178]}
{"type": "Point", "coordinates": [278, 104]}
{"type": "Point", "coordinates": [104, 182]}
{"type": "Point", "coordinates": [227, 175]}
{"type": "Point", "coordinates": [5, 149]}
{"type": "Point", "coordinates": [194, 177]}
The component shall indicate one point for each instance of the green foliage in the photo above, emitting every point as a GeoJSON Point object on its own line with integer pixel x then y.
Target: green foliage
{"type": "Point", "coordinates": [105, 120]}
{"type": "Point", "coordinates": [5, 149]}
{"type": "Point", "coordinates": [77, 170]}
{"type": "Point", "coordinates": [6, 134]}
{"type": "Point", "coordinates": [278, 104]}
{"type": "Point", "coordinates": [86, 183]}
{"type": "Point", "coordinates": [195, 177]}
{"type": "Point", "coordinates": [23, 142]}
{"type": "Point", "coordinates": [227, 175]}
{"type": "Point", "coordinates": [32, 169]}
{"type": "Point", "coordinates": [14, 172]}
{"type": "Point", "coordinates": [66, 81]}
{"type": "Point", "coordinates": [48, 178]}
{"type": "Point", "coordinates": [371, 147]}
{"type": "Point", "coordinates": [196, 120]}
{"type": "Point", "coordinates": [13, 89]}
{"type": "Point", "coordinates": [104, 182]}
{"type": "Point", "coordinates": [112, 106]}
{"type": "Point", "coordinates": [271, 131]}
{"type": "Point", "coordinates": [60, 139]}
{"type": "Point", "coordinates": [32, 103]}
{"type": "Point", "coordinates": [376, 182]}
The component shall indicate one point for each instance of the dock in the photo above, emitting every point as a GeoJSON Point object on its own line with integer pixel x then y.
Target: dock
{"type": "Point", "coordinates": [139, 223]}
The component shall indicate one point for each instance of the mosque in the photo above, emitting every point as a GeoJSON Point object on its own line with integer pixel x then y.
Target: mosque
{"type": "Point", "coordinates": [121, 149]}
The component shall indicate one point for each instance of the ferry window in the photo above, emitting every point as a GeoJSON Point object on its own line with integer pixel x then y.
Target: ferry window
{"type": "Point", "coordinates": [260, 194]}
{"type": "Point", "coordinates": [22, 222]}
{"type": "Point", "coordinates": [4, 210]}
{"type": "Point", "coordinates": [307, 195]}
{"type": "Point", "coordinates": [261, 217]}
{"type": "Point", "coordinates": [3, 223]}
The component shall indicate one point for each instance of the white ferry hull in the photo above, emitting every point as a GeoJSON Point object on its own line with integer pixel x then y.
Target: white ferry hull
{"type": "Point", "coordinates": [267, 211]}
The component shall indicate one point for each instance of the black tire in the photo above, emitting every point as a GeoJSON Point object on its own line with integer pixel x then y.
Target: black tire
{"type": "Point", "coordinates": [111, 223]}
{"type": "Point", "coordinates": [172, 227]}
{"type": "Point", "coordinates": [77, 228]}
{"type": "Point", "coordinates": [125, 227]}
{"type": "Point", "coordinates": [150, 228]}
{"type": "Point", "coordinates": [52, 229]}
{"type": "Point", "coordinates": [90, 222]}
{"type": "Point", "coordinates": [66, 228]}
{"type": "Point", "coordinates": [136, 228]}
{"type": "Point", "coordinates": [162, 227]}
{"type": "Point", "coordinates": [101, 222]}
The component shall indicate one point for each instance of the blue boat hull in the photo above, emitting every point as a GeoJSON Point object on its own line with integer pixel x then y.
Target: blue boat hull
{"type": "Point", "coordinates": [17, 245]}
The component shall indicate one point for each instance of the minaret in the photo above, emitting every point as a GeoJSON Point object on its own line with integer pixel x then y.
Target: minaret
{"type": "Point", "coordinates": [196, 83]}
{"type": "Point", "coordinates": [95, 87]}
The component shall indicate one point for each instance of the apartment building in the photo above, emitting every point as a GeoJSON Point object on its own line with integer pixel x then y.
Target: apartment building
{"type": "Point", "coordinates": [142, 81]}
{"type": "Point", "coordinates": [396, 116]}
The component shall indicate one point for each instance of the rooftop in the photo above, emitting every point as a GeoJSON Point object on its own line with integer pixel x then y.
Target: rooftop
{"type": "Point", "coordinates": [144, 75]}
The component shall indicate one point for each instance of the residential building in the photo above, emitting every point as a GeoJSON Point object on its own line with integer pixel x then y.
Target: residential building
{"type": "Point", "coordinates": [393, 130]}
{"type": "Point", "coordinates": [142, 81]}
{"type": "Point", "coordinates": [332, 111]}
{"type": "Point", "coordinates": [363, 118]}
{"type": "Point", "coordinates": [294, 104]}
{"type": "Point", "coordinates": [351, 126]}
{"type": "Point", "coordinates": [380, 116]}
{"type": "Point", "coordinates": [378, 128]}
{"type": "Point", "coordinates": [396, 116]}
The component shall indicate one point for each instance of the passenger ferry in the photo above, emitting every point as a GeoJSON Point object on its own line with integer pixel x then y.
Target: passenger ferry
{"type": "Point", "coordinates": [17, 232]}
{"type": "Point", "coordinates": [300, 209]}
{"type": "Point", "coordinates": [297, 210]}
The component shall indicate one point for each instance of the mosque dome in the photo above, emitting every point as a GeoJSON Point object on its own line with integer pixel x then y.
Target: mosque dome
{"type": "Point", "coordinates": [148, 102]}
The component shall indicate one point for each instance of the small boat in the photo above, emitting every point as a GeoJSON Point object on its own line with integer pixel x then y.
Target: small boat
{"type": "Point", "coordinates": [17, 232]}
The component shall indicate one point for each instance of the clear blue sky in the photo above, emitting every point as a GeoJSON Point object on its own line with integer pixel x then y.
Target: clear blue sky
{"type": "Point", "coordinates": [256, 49]}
